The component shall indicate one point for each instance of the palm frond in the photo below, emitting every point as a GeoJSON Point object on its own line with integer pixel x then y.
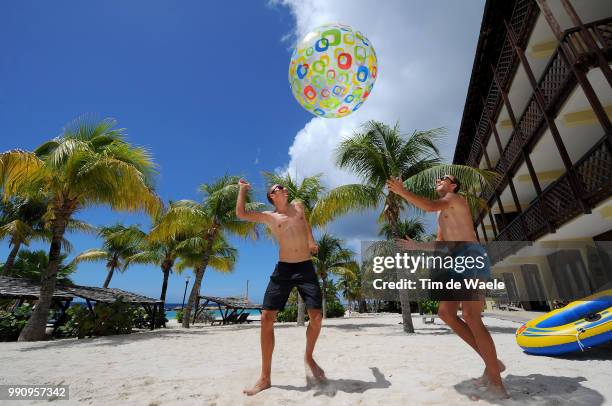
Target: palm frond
{"type": "Point", "coordinates": [19, 170]}
{"type": "Point", "coordinates": [91, 255]}
{"type": "Point", "coordinates": [342, 200]}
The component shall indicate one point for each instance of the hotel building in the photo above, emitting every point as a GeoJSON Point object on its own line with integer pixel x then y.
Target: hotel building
{"type": "Point", "coordinates": [538, 113]}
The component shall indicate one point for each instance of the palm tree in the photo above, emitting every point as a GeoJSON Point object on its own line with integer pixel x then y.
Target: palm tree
{"type": "Point", "coordinates": [333, 259]}
{"type": "Point", "coordinates": [162, 251]}
{"type": "Point", "coordinates": [32, 265]}
{"type": "Point", "coordinates": [411, 228]}
{"type": "Point", "coordinates": [90, 163]}
{"type": "Point", "coordinates": [212, 218]}
{"type": "Point", "coordinates": [21, 220]}
{"type": "Point", "coordinates": [120, 243]}
{"type": "Point", "coordinates": [222, 258]}
{"type": "Point", "coordinates": [380, 152]}
{"type": "Point", "coordinates": [25, 219]}
{"type": "Point", "coordinates": [351, 288]}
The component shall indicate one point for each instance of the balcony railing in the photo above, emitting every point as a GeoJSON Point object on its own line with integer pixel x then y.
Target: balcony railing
{"type": "Point", "coordinates": [554, 79]}
{"type": "Point", "coordinates": [556, 82]}
{"type": "Point", "coordinates": [600, 31]}
{"type": "Point", "coordinates": [507, 63]}
{"type": "Point", "coordinates": [557, 205]}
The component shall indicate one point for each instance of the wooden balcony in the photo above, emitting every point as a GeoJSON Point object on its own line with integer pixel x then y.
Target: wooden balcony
{"type": "Point", "coordinates": [557, 205]}
{"type": "Point", "coordinates": [555, 84]}
{"type": "Point", "coordinates": [522, 21]}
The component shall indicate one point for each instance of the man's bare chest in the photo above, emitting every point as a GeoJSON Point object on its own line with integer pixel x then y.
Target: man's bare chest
{"type": "Point", "coordinates": [286, 222]}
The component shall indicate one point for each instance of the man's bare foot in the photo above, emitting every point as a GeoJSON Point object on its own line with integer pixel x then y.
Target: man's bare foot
{"type": "Point", "coordinates": [313, 370]}
{"type": "Point", "coordinates": [484, 379]}
{"type": "Point", "coordinates": [496, 392]}
{"type": "Point", "coordinates": [261, 384]}
{"type": "Point", "coordinates": [492, 393]}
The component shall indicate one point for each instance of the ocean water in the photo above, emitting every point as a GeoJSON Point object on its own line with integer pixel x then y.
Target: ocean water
{"type": "Point", "coordinates": [171, 314]}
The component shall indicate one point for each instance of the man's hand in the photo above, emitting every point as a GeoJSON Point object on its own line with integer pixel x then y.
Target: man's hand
{"type": "Point", "coordinates": [244, 184]}
{"type": "Point", "coordinates": [396, 186]}
{"type": "Point", "coordinates": [313, 247]}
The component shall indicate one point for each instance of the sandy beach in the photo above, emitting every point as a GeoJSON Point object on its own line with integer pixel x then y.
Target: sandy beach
{"type": "Point", "coordinates": [368, 360]}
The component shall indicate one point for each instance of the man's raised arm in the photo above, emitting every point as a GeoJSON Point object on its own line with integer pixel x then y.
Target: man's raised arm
{"type": "Point", "coordinates": [241, 211]}
{"type": "Point", "coordinates": [396, 186]}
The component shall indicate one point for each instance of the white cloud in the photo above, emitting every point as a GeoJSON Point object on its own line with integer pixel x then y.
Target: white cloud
{"type": "Point", "coordinates": [425, 53]}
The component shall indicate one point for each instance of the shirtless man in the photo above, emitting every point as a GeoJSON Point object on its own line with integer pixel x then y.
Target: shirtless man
{"type": "Point", "coordinates": [296, 245]}
{"type": "Point", "coordinates": [455, 224]}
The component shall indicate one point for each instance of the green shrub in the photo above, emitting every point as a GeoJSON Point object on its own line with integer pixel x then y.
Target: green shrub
{"type": "Point", "coordinates": [11, 324]}
{"type": "Point", "coordinates": [205, 317]}
{"type": "Point", "coordinates": [141, 318]}
{"type": "Point", "coordinates": [334, 309]}
{"type": "Point", "coordinates": [288, 314]}
{"type": "Point", "coordinates": [429, 306]}
{"type": "Point", "coordinates": [109, 319]}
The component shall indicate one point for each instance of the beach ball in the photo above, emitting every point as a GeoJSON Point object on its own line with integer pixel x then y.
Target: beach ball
{"type": "Point", "coordinates": [333, 70]}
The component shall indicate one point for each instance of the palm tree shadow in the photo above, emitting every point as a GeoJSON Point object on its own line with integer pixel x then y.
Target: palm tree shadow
{"type": "Point", "coordinates": [332, 386]}
{"type": "Point", "coordinates": [537, 389]}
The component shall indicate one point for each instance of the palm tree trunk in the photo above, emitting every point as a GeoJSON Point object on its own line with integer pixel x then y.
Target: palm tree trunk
{"type": "Point", "coordinates": [109, 276]}
{"type": "Point", "coordinates": [324, 289]}
{"type": "Point", "coordinates": [392, 211]}
{"type": "Point", "coordinates": [195, 289]}
{"type": "Point", "coordinates": [193, 296]}
{"type": "Point", "coordinates": [166, 267]}
{"type": "Point", "coordinates": [301, 311]}
{"type": "Point", "coordinates": [10, 260]}
{"type": "Point", "coordinates": [36, 325]}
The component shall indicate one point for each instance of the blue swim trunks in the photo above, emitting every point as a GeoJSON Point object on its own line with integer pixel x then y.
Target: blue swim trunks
{"type": "Point", "coordinates": [471, 261]}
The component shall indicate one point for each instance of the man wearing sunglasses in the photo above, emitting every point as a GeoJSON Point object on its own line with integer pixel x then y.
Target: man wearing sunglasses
{"type": "Point", "coordinates": [455, 224]}
{"type": "Point", "coordinates": [290, 228]}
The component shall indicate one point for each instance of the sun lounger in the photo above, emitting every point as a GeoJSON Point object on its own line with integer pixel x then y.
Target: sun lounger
{"type": "Point", "coordinates": [230, 319]}
{"type": "Point", "coordinates": [242, 318]}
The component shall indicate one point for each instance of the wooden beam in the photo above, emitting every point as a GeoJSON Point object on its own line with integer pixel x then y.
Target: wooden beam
{"type": "Point", "coordinates": [90, 307]}
{"type": "Point", "coordinates": [153, 319]}
{"type": "Point", "coordinates": [579, 74]}
{"type": "Point", "coordinates": [492, 220]}
{"type": "Point", "coordinates": [574, 181]}
{"type": "Point", "coordinates": [538, 189]}
{"type": "Point", "coordinates": [484, 231]}
{"type": "Point", "coordinates": [517, 203]}
{"type": "Point", "coordinates": [505, 99]}
{"type": "Point", "coordinates": [497, 198]}
{"type": "Point", "coordinates": [588, 39]}
{"type": "Point", "coordinates": [221, 311]}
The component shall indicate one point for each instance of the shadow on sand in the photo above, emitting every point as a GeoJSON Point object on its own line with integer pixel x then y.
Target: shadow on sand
{"type": "Point", "coordinates": [333, 386]}
{"type": "Point", "coordinates": [355, 327]}
{"type": "Point", "coordinates": [442, 330]}
{"type": "Point", "coordinates": [537, 389]}
{"type": "Point", "coordinates": [600, 353]}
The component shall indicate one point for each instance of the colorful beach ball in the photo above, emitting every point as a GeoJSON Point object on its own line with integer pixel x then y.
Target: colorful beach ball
{"type": "Point", "coordinates": [333, 70]}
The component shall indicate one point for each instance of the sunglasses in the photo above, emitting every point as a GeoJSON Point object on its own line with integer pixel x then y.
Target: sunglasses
{"type": "Point", "coordinates": [446, 177]}
{"type": "Point", "coordinates": [276, 188]}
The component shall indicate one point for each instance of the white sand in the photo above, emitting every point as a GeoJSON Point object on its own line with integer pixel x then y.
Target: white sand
{"type": "Point", "coordinates": [369, 361]}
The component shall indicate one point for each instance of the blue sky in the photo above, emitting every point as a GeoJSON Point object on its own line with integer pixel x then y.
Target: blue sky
{"type": "Point", "coordinates": [203, 85]}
